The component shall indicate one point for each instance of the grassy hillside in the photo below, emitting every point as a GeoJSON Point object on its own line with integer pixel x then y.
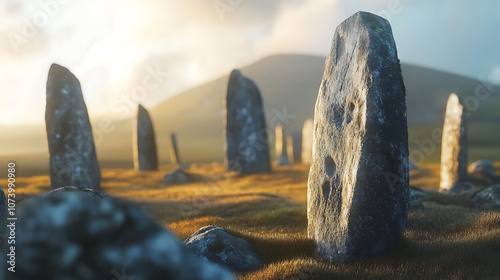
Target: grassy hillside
{"type": "Point", "coordinates": [289, 85]}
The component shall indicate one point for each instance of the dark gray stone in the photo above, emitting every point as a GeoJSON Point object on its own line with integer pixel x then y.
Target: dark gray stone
{"type": "Point", "coordinates": [488, 198]}
{"type": "Point", "coordinates": [145, 154]}
{"type": "Point", "coordinates": [281, 145]}
{"type": "Point", "coordinates": [453, 146]}
{"type": "Point", "coordinates": [307, 141]}
{"type": "Point", "coordinates": [174, 150]}
{"type": "Point", "coordinates": [461, 189]}
{"type": "Point", "coordinates": [245, 132]}
{"type": "Point", "coordinates": [414, 203]}
{"type": "Point", "coordinates": [176, 176]}
{"type": "Point", "coordinates": [70, 234]}
{"type": "Point", "coordinates": [217, 245]}
{"type": "Point", "coordinates": [295, 147]}
{"type": "Point", "coordinates": [483, 167]}
{"type": "Point", "coordinates": [73, 160]}
{"type": "Point", "coordinates": [358, 181]}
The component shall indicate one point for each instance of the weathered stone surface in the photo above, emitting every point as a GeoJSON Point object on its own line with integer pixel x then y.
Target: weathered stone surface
{"type": "Point", "coordinates": [176, 176]}
{"type": "Point", "coordinates": [488, 198]}
{"type": "Point", "coordinates": [216, 245]}
{"type": "Point", "coordinates": [295, 147]}
{"type": "Point", "coordinates": [358, 181]}
{"type": "Point", "coordinates": [245, 132]}
{"type": "Point", "coordinates": [174, 150]}
{"type": "Point", "coordinates": [73, 160]}
{"type": "Point", "coordinates": [281, 145]}
{"type": "Point", "coordinates": [307, 141]}
{"type": "Point", "coordinates": [483, 167]}
{"type": "Point", "coordinates": [145, 154]}
{"type": "Point", "coordinates": [70, 234]}
{"type": "Point", "coordinates": [454, 145]}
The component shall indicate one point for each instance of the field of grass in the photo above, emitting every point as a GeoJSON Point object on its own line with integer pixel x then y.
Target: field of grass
{"type": "Point", "coordinates": [446, 240]}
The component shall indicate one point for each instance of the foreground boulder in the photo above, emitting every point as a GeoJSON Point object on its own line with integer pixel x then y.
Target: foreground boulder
{"type": "Point", "coordinates": [488, 198]}
{"type": "Point", "coordinates": [72, 234]}
{"type": "Point", "coordinates": [217, 245]}
{"type": "Point", "coordinates": [358, 181]}
{"type": "Point", "coordinates": [245, 132]}
{"type": "Point", "coordinates": [145, 154]}
{"type": "Point", "coordinates": [454, 148]}
{"type": "Point", "coordinates": [73, 160]}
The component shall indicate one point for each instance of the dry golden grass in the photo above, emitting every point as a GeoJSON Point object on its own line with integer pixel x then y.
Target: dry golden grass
{"type": "Point", "coordinates": [446, 240]}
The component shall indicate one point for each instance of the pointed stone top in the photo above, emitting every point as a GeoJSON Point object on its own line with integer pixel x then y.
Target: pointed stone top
{"type": "Point", "coordinates": [453, 106]}
{"type": "Point", "coordinates": [141, 108]}
{"type": "Point", "coordinates": [56, 69]}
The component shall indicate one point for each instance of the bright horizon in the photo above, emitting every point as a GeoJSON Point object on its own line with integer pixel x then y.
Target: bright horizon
{"type": "Point", "coordinates": [111, 47]}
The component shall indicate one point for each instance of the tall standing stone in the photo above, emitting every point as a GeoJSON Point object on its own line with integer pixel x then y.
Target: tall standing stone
{"type": "Point", "coordinates": [295, 147]}
{"type": "Point", "coordinates": [144, 147]}
{"type": "Point", "coordinates": [307, 141]}
{"type": "Point", "coordinates": [453, 146]}
{"type": "Point", "coordinates": [281, 145]}
{"type": "Point", "coordinates": [358, 181]}
{"type": "Point", "coordinates": [73, 160]}
{"type": "Point", "coordinates": [174, 150]}
{"type": "Point", "coordinates": [245, 132]}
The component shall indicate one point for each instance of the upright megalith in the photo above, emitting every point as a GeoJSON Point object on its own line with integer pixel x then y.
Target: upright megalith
{"type": "Point", "coordinates": [245, 132]}
{"type": "Point", "coordinates": [73, 160]}
{"type": "Point", "coordinates": [454, 147]}
{"type": "Point", "coordinates": [295, 147]}
{"type": "Point", "coordinates": [144, 147]}
{"type": "Point", "coordinates": [281, 145]}
{"type": "Point", "coordinates": [307, 141]}
{"type": "Point", "coordinates": [174, 150]}
{"type": "Point", "coordinates": [358, 181]}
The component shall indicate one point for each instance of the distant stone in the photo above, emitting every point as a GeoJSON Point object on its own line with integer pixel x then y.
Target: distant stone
{"type": "Point", "coordinates": [483, 167]}
{"type": "Point", "coordinates": [245, 131]}
{"type": "Point", "coordinates": [281, 145]}
{"type": "Point", "coordinates": [418, 192]}
{"type": "Point", "coordinates": [174, 150]}
{"type": "Point", "coordinates": [414, 203]}
{"type": "Point", "coordinates": [144, 147]}
{"type": "Point", "coordinates": [358, 181]}
{"type": "Point", "coordinates": [295, 147]}
{"type": "Point", "coordinates": [80, 190]}
{"type": "Point", "coordinates": [73, 160]}
{"type": "Point", "coordinates": [454, 146]}
{"type": "Point", "coordinates": [488, 198]}
{"type": "Point", "coordinates": [216, 245]}
{"type": "Point", "coordinates": [3, 208]}
{"type": "Point", "coordinates": [176, 177]}
{"type": "Point", "coordinates": [461, 189]}
{"type": "Point", "coordinates": [412, 166]}
{"type": "Point", "coordinates": [307, 141]}
{"type": "Point", "coordinates": [70, 234]}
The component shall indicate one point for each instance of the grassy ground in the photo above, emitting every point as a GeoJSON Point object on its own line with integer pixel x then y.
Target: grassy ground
{"type": "Point", "coordinates": [447, 240]}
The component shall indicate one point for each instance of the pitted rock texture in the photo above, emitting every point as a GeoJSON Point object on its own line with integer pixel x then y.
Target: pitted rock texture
{"type": "Point", "coordinates": [73, 160]}
{"type": "Point", "coordinates": [358, 181]}
{"type": "Point", "coordinates": [281, 145]}
{"type": "Point", "coordinates": [144, 147]}
{"type": "Point", "coordinates": [71, 234]}
{"type": "Point", "coordinates": [246, 141]}
{"type": "Point", "coordinates": [454, 145]}
{"type": "Point", "coordinates": [307, 141]}
{"type": "Point", "coordinates": [217, 245]}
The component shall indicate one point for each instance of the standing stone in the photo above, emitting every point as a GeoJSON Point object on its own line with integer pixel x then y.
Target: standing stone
{"type": "Point", "coordinates": [281, 145]}
{"type": "Point", "coordinates": [307, 141]}
{"type": "Point", "coordinates": [73, 160]}
{"type": "Point", "coordinates": [295, 147]}
{"type": "Point", "coordinates": [358, 181]}
{"type": "Point", "coordinates": [245, 132]}
{"type": "Point", "coordinates": [145, 154]}
{"type": "Point", "coordinates": [454, 147]}
{"type": "Point", "coordinates": [174, 150]}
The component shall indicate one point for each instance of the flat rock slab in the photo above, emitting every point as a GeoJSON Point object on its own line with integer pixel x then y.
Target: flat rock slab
{"type": "Point", "coordinates": [358, 181]}
{"type": "Point", "coordinates": [454, 145]}
{"type": "Point", "coordinates": [145, 154]}
{"type": "Point", "coordinates": [246, 141]}
{"type": "Point", "coordinates": [73, 160]}
{"type": "Point", "coordinates": [217, 245]}
{"type": "Point", "coordinates": [72, 234]}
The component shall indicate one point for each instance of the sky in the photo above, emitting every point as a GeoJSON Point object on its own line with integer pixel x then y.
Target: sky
{"type": "Point", "coordinates": [126, 52]}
